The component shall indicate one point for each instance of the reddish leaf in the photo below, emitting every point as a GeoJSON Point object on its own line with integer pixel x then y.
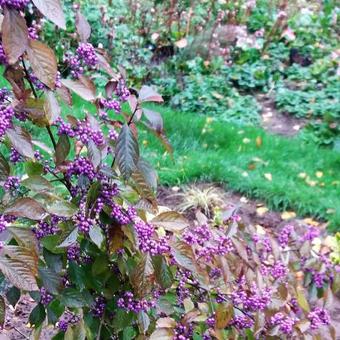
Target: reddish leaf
{"type": "Point", "coordinates": [82, 87]}
{"type": "Point", "coordinates": [170, 220]}
{"type": "Point", "coordinates": [155, 119]}
{"type": "Point", "coordinates": [115, 238]}
{"type": "Point", "coordinates": [14, 35]}
{"type": "Point", "coordinates": [105, 66]}
{"type": "Point", "coordinates": [15, 77]}
{"type": "Point", "coordinates": [2, 311]}
{"type": "Point", "coordinates": [52, 9]}
{"type": "Point", "coordinates": [143, 276]}
{"type": "Point", "coordinates": [43, 62]}
{"type": "Point", "coordinates": [62, 150]}
{"type": "Point", "coordinates": [21, 141]}
{"type": "Point", "coordinates": [27, 207]}
{"type": "Point", "coordinates": [52, 108]}
{"type": "Point", "coordinates": [148, 94]}
{"type": "Point", "coordinates": [65, 94]}
{"type": "Point", "coordinates": [83, 27]}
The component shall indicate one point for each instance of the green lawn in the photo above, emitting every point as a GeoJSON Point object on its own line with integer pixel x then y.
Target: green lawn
{"type": "Point", "coordinates": [229, 154]}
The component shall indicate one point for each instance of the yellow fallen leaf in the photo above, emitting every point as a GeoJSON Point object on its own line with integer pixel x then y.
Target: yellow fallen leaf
{"type": "Point", "coordinates": [302, 175]}
{"type": "Point", "coordinates": [319, 174]}
{"type": "Point", "coordinates": [287, 215]}
{"type": "Point", "coordinates": [246, 140]}
{"type": "Point", "coordinates": [261, 210]}
{"type": "Point", "coordinates": [310, 221]}
{"type": "Point", "coordinates": [268, 176]}
{"type": "Point", "coordinates": [311, 182]}
{"type": "Point", "coordinates": [258, 141]}
{"type": "Point", "coordinates": [209, 120]}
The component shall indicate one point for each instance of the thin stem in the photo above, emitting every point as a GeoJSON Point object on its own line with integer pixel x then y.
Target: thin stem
{"type": "Point", "coordinates": [28, 79]}
{"type": "Point", "coordinates": [51, 137]}
{"type": "Point", "coordinates": [100, 327]}
{"type": "Point", "coordinates": [19, 331]}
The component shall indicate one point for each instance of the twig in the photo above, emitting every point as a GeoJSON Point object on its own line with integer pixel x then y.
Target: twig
{"type": "Point", "coordinates": [28, 79]}
{"type": "Point", "coordinates": [100, 327]}
{"type": "Point", "coordinates": [51, 137]}
{"type": "Point", "coordinates": [19, 331]}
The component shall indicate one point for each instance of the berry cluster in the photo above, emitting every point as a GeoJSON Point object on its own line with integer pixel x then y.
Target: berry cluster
{"type": "Point", "coordinates": [183, 331]}
{"type": "Point", "coordinates": [45, 296]}
{"type": "Point", "coordinates": [83, 222]}
{"type": "Point", "coordinates": [73, 252]}
{"type": "Point", "coordinates": [318, 317]}
{"type": "Point", "coordinates": [285, 235]}
{"type": "Point", "coordinates": [40, 86]}
{"type": "Point", "coordinates": [12, 183]}
{"type": "Point", "coordinates": [284, 322]}
{"type": "Point", "coordinates": [67, 319]}
{"type": "Point", "coordinates": [3, 223]}
{"type": "Point", "coordinates": [4, 95]}
{"type": "Point", "coordinates": [129, 303]}
{"type": "Point", "coordinates": [6, 115]}
{"type": "Point", "coordinates": [81, 166]}
{"type": "Point", "coordinates": [3, 57]}
{"type": "Point", "coordinates": [17, 4]}
{"type": "Point", "coordinates": [110, 104]}
{"type": "Point", "coordinates": [242, 322]}
{"type": "Point", "coordinates": [44, 228]}
{"type": "Point", "coordinates": [98, 307]}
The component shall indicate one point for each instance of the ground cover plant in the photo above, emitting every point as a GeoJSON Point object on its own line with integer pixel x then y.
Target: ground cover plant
{"type": "Point", "coordinates": [80, 226]}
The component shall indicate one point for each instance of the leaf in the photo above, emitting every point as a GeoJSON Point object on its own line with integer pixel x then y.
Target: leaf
{"type": "Point", "coordinates": [62, 208]}
{"type": "Point", "coordinates": [142, 276]}
{"type": "Point", "coordinates": [155, 119]}
{"type": "Point", "coordinates": [2, 311]}
{"type": "Point", "coordinates": [115, 238]}
{"type": "Point", "coordinates": [84, 89]}
{"type": "Point", "coordinates": [83, 27]}
{"type": "Point", "coordinates": [170, 220]}
{"type": "Point", "coordinates": [148, 94]}
{"type": "Point", "coordinates": [162, 334]}
{"type": "Point", "coordinates": [43, 62]}
{"type": "Point", "coordinates": [64, 94]}
{"type": "Point", "coordinates": [4, 168]}
{"type": "Point", "coordinates": [18, 274]}
{"type": "Point", "coordinates": [127, 151]}
{"type": "Point", "coordinates": [71, 297]}
{"type": "Point", "coordinates": [268, 177]}
{"type": "Point", "coordinates": [51, 280]}
{"type": "Point", "coordinates": [62, 149]}
{"type": "Point", "coordinates": [14, 35]}
{"type": "Point", "coordinates": [21, 141]}
{"type": "Point", "coordinates": [70, 238]}
{"type": "Point", "coordinates": [27, 256]}
{"type": "Point", "coordinates": [37, 183]}
{"type": "Point", "coordinates": [224, 314]}
{"type": "Point", "coordinates": [184, 255]}
{"type": "Point", "coordinates": [182, 43]}
{"type": "Point", "coordinates": [95, 154]}
{"type": "Point", "coordinates": [162, 272]}
{"type": "Point", "coordinates": [96, 235]}
{"type": "Point", "coordinates": [13, 296]}
{"type": "Point", "coordinates": [144, 321]}
{"type": "Point", "coordinates": [37, 315]}
{"type": "Point", "coordinates": [301, 299]}
{"type": "Point", "coordinates": [52, 10]}
{"type": "Point", "coordinates": [52, 108]}
{"type": "Point", "coordinates": [148, 172]}
{"type": "Point", "coordinates": [24, 236]}
{"type": "Point", "coordinates": [27, 207]}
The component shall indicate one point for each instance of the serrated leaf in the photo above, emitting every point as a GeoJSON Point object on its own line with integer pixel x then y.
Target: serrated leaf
{"type": "Point", "coordinates": [21, 141]}
{"type": "Point", "coordinates": [162, 334]}
{"type": "Point", "coordinates": [53, 10]}
{"type": "Point", "coordinates": [82, 87]}
{"type": "Point", "coordinates": [52, 108]}
{"type": "Point", "coordinates": [62, 149]}
{"type": "Point", "coordinates": [127, 151]}
{"type": "Point", "coordinates": [69, 238]}
{"type": "Point", "coordinates": [144, 321]}
{"type": "Point", "coordinates": [301, 299]}
{"type": "Point", "coordinates": [37, 183]}
{"type": "Point", "coordinates": [18, 274]}
{"type": "Point", "coordinates": [148, 172]}
{"type": "Point", "coordinates": [184, 255]}
{"type": "Point", "coordinates": [224, 314]}
{"type": "Point", "coordinates": [13, 296]}
{"type": "Point", "coordinates": [170, 220]}
{"type": "Point", "coordinates": [43, 62]}
{"type": "Point", "coordinates": [115, 238]}
{"type": "Point", "coordinates": [73, 298]}
{"type": "Point", "coordinates": [27, 207]}
{"type": "Point", "coordinates": [14, 35]}
{"type": "Point", "coordinates": [143, 275]}
{"type": "Point", "coordinates": [148, 94]}
{"type": "Point", "coordinates": [24, 236]}
{"type": "Point", "coordinates": [83, 27]}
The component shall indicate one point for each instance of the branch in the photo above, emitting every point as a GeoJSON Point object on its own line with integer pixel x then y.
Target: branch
{"type": "Point", "coordinates": [28, 79]}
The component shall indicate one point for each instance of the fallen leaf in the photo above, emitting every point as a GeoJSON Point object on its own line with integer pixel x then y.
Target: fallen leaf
{"type": "Point", "coordinates": [268, 176]}
{"type": "Point", "coordinates": [302, 175]}
{"type": "Point", "coordinates": [319, 174]}
{"type": "Point", "coordinates": [258, 141]}
{"type": "Point", "coordinates": [246, 140]}
{"type": "Point", "coordinates": [312, 222]}
{"type": "Point", "coordinates": [287, 215]}
{"type": "Point", "coordinates": [261, 210]}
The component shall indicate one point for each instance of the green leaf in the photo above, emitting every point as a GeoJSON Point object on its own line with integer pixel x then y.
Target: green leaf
{"type": "Point", "coordinates": [2, 311]}
{"type": "Point", "coordinates": [73, 298]}
{"type": "Point", "coordinates": [37, 184]}
{"type": "Point", "coordinates": [13, 295]}
{"type": "Point", "coordinates": [100, 265]}
{"type": "Point", "coordinates": [33, 168]}
{"type": "Point", "coordinates": [37, 315]}
{"type": "Point", "coordinates": [51, 280]}
{"type": "Point", "coordinates": [96, 235]}
{"type": "Point", "coordinates": [122, 319]}
{"type": "Point", "coordinates": [77, 275]}
{"type": "Point", "coordinates": [144, 321]}
{"type": "Point", "coordinates": [54, 311]}
{"type": "Point", "coordinates": [127, 152]}
{"type": "Point", "coordinates": [129, 333]}
{"type": "Point", "coordinates": [92, 194]}
{"type": "Point", "coordinates": [62, 149]}
{"type": "Point", "coordinates": [53, 261]}
{"type": "Point", "coordinates": [162, 271]}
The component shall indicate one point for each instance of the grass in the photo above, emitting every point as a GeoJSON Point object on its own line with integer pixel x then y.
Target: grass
{"type": "Point", "coordinates": [284, 172]}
